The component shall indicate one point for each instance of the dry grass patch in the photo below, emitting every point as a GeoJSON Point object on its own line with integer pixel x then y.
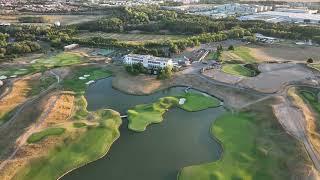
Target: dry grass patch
{"type": "Point", "coordinates": [17, 95]}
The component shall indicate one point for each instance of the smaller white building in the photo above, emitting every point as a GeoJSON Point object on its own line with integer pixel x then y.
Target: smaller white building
{"type": "Point", "coordinates": [71, 46]}
{"type": "Point", "coordinates": [148, 61]}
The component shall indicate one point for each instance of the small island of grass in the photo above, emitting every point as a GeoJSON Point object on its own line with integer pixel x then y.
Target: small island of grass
{"type": "Point", "coordinates": [143, 115]}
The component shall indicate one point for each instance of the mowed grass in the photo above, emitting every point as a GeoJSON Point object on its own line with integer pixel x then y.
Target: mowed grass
{"type": "Point", "coordinates": [131, 37]}
{"type": "Point", "coordinates": [237, 69]}
{"type": "Point", "coordinates": [240, 53]}
{"type": "Point", "coordinates": [143, 115]}
{"type": "Point", "coordinates": [42, 64]}
{"type": "Point", "coordinates": [59, 60]}
{"type": "Point", "coordinates": [197, 102]}
{"type": "Point", "coordinates": [254, 147]}
{"type": "Point", "coordinates": [38, 136]}
{"type": "Point", "coordinates": [79, 86]}
{"type": "Point", "coordinates": [85, 147]}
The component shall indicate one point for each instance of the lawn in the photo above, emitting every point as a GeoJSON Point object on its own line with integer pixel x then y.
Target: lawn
{"type": "Point", "coordinates": [212, 56]}
{"type": "Point", "coordinates": [88, 146]}
{"type": "Point", "coordinates": [59, 60]}
{"type": "Point", "coordinates": [79, 85]}
{"type": "Point", "coordinates": [240, 53]}
{"type": "Point", "coordinates": [143, 115]}
{"type": "Point", "coordinates": [237, 69]}
{"type": "Point", "coordinates": [197, 102]}
{"type": "Point", "coordinates": [312, 99]}
{"type": "Point", "coordinates": [254, 147]}
{"type": "Point", "coordinates": [38, 136]}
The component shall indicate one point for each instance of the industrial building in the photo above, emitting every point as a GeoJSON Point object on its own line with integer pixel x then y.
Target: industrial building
{"type": "Point", "coordinates": [148, 61]}
{"type": "Point", "coordinates": [279, 16]}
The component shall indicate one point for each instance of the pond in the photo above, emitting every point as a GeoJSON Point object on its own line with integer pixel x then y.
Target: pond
{"type": "Point", "coordinates": [182, 139]}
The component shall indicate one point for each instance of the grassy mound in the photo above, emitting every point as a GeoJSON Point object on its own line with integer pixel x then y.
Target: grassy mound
{"type": "Point", "coordinates": [197, 102]}
{"type": "Point", "coordinates": [38, 136]}
{"type": "Point", "coordinates": [88, 146]}
{"type": "Point", "coordinates": [254, 147]}
{"type": "Point", "coordinates": [143, 115]}
{"type": "Point", "coordinates": [237, 69]}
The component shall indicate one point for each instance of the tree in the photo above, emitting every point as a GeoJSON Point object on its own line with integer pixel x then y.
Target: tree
{"type": "Point", "coordinates": [231, 48]}
{"type": "Point", "coordinates": [165, 73]}
{"type": "Point", "coordinates": [310, 60]}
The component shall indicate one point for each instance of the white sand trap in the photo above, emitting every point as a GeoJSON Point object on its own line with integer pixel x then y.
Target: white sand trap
{"type": "Point", "coordinates": [86, 75]}
{"type": "Point", "coordinates": [182, 101]}
{"type": "Point", "coordinates": [1, 83]}
{"type": "Point", "coordinates": [89, 82]}
{"type": "Point", "coordinates": [33, 61]}
{"type": "Point", "coordinates": [13, 76]}
{"type": "Point", "coordinates": [82, 78]}
{"type": "Point", "coordinates": [3, 77]}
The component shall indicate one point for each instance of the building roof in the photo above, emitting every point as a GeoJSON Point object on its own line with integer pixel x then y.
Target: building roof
{"type": "Point", "coordinates": [314, 17]}
{"type": "Point", "coordinates": [149, 57]}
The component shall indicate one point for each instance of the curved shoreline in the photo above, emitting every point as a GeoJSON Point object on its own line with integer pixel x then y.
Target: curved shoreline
{"type": "Point", "coordinates": [102, 156]}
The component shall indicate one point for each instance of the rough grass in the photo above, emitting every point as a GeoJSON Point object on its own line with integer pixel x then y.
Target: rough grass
{"type": "Point", "coordinates": [38, 136]}
{"type": "Point", "coordinates": [212, 56]}
{"type": "Point", "coordinates": [316, 66]}
{"type": "Point", "coordinates": [254, 147]}
{"type": "Point", "coordinates": [77, 85]}
{"type": "Point", "coordinates": [43, 84]}
{"type": "Point", "coordinates": [237, 69]}
{"type": "Point", "coordinates": [143, 115]}
{"type": "Point", "coordinates": [74, 152]}
{"type": "Point", "coordinates": [197, 102]}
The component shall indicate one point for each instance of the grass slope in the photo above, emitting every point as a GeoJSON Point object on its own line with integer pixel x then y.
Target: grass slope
{"type": "Point", "coordinates": [38, 136]}
{"type": "Point", "coordinates": [75, 152]}
{"type": "Point", "coordinates": [237, 69]}
{"type": "Point", "coordinates": [254, 147]}
{"type": "Point", "coordinates": [244, 53]}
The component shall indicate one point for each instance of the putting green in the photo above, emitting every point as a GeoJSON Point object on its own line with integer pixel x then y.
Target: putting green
{"type": "Point", "coordinates": [237, 69]}
{"type": "Point", "coordinates": [198, 102]}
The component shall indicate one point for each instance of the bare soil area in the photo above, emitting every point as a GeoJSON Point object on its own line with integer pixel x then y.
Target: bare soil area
{"type": "Point", "coordinates": [285, 53]}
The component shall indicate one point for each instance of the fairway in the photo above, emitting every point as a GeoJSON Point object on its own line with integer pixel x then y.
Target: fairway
{"type": "Point", "coordinates": [252, 149]}
{"type": "Point", "coordinates": [77, 151]}
{"type": "Point", "coordinates": [131, 37]}
{"type": "Point", "coordinates": [237, 69]}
